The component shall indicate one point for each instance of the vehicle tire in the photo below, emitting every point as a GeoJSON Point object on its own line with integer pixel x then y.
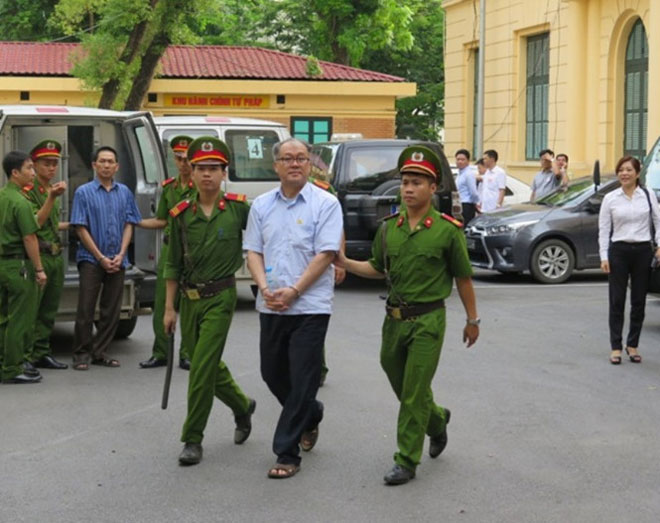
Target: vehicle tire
{"type": "Point", "coordinates": [552, 261]}
{"type": "Point", "coordinates": [125, 328]}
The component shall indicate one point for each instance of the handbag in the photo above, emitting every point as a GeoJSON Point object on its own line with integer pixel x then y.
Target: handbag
{"type": "Point", "coordinates": [654, 276]}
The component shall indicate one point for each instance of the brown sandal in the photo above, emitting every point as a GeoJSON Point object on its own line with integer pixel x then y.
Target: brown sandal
{"type": "Point", "coordinates": [283, 470]}
{"type": "Point", "coordinates": [309, 439]}
{"type": "Point", "coordinates": [81, 366]}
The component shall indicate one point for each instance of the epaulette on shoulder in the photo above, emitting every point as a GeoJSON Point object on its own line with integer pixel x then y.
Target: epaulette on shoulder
{"type": "Point", "coordinates": [179, 208]}
{"type": "Point", "coordinates": [168, 181]}
{"type": "Point", "coordinates": [453, 220]}
{"type": "Point", "coordinates": [321, 184]}
{"type": "Point", "coordinates": [390, 216]}
{"type": "Point", "coordinates": [235, 197]}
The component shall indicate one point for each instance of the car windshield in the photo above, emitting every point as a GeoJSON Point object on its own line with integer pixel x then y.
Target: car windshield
{"type": "Point", "coordinates": [570, 194]}
{"type": "Point", "coordinates": [368, 167]}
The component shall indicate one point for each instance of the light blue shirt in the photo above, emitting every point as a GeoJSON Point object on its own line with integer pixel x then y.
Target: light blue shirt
{"type": "Point", "coordinates": [466, 183]}
{"type": "Point", "coordinates": [289, 233]}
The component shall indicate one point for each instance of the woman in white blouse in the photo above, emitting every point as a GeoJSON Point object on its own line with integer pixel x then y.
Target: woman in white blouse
{"type": "Point", "coordinates": [626, 250]}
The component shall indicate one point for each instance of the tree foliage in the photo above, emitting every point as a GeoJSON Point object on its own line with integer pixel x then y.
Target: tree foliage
{"type": "Point", "coordinates": [26, 20]}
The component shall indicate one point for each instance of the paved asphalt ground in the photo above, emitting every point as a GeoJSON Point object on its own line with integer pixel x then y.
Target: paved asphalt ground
{"type": "Point", "coordinates": [543, 428]}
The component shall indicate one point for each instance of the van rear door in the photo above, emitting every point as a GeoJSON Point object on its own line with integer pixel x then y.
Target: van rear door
{"type": "Point", "coordinates": [147, 159]}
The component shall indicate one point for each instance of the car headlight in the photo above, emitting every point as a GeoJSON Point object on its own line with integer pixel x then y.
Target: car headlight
{"type": "Point", "coordinates": [508, 228]}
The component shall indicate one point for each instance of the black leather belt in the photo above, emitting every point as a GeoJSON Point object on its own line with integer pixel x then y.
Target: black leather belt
{"type": "Point", "coordinates": [50, 247]}
{"type": "Point", "coordinates": [195, 291]}
{"type": "Point", "coordinates": [404, 312]}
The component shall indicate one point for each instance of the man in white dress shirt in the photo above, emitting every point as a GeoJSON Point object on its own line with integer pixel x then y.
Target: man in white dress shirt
{"type": "Point", "coordinates": [493, 184]}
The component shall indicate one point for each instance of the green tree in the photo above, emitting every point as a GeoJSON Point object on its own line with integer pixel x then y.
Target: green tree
{"type": "Point", "coordinates": [26, 20]}
{"type": "Point", "coordinates": [123, 46]}
{"type": "Point", "coordinates": [420, 116]}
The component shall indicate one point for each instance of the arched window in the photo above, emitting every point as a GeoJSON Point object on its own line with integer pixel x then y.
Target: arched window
{"type": "Point", "coordinates": [636, 92]}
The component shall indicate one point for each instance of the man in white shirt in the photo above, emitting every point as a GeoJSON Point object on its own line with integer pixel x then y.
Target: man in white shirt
{"type": "Point", "coordinates": [493, 183]}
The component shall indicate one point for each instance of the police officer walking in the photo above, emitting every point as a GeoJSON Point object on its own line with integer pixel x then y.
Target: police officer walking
{"type": "Point", "coordinates": [44, 198]}
{"type": "Point", "coordinates": [174, 191]}
{"type": "Point", "coordinates": [204, 253]}
{"type": "Point", "coordinates": [418, 252]}
{"type": "Point", "coordinates": [21, 271]}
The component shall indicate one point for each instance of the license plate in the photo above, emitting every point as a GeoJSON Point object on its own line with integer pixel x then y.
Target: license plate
{"type": "Point", "coordinates": [471, 243]}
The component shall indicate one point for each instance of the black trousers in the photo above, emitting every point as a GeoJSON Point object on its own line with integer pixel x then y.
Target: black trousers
{"type": "Point", "coordinates": [92, 277]}
{"type": "Point", "coordinates": [468, 210]}
{"type": "Point", "coordinates": [628, 261]}
{"type": "Point", "coordinates": [291, 350]}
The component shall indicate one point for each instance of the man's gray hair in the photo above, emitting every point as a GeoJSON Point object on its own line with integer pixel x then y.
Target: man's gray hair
{"type": "Point", "coordinates": [278, 146]}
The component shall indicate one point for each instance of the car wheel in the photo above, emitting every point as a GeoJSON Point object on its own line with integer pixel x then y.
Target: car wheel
{"type": "Point", "coordinates": [125, 328]}
{"type": "Point", "coordinates": [553, 261]}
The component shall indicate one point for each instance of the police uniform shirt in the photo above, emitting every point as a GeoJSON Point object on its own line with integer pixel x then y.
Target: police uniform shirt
{"type": "Point", "coordinates": [172, 194]}
{"type": "Point", "coordinates": [16, 220]}
{"type": "Point", "coordinates": [423, 262]}
{"type": "Point", "coordinates": [49, 231]}
{"type": "Point", "coordinates": [213, 243]}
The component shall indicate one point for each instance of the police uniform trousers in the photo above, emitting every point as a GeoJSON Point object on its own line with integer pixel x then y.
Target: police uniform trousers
{"type": "Point", "coordinates": [204, 326]}
{"type": "Point", "coordinates": [291, 349]}
{"type": "Point", "coordinates": [92, 278]}
{"type": "Point", "coordinates": [159, 349]}
{"type": "Point", "coordinates": [18, 310]}
{"type": "Point", "coordinates": [409, 355]}
{"type": "Point", "coordinates": [49, 302]}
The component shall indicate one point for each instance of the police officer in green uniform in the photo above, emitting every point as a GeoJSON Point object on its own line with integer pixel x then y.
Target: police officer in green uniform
{"type": "Point", "coordinates": [419, 252]}
{"type": "Point", "coordinates": [21, 271]}
{"type": "Point", "coordinates": [44, 198]}
{"type": "Point", "coordinates": [174, 191]}
{"type": "Point", "coordinates": [204, 253]}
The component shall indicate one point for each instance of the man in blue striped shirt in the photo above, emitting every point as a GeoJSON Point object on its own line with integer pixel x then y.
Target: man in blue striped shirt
{"type": "Point", "coordinates": [104, 213]}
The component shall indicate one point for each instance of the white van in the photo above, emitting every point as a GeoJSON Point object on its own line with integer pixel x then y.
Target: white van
{"type": "Point", "coordinates": [142, 168]}
{"type": "Point", "coordinates": [250, 142]}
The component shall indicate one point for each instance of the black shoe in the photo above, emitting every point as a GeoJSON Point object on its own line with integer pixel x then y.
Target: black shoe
{"type": "Point", "coordinates": [152, 363]}
{"type": "Point", "coordinates": [30, 370]}
{"type": "Point", "coordinates": [439, 442]}
{"type": "Point", "coordinates": [399, 475]}
{"type": "Point", "coordinates": [48, 362]}
{"type": "Point", "coordinates": [184, 363]}
{"type": "Point", "coordinates": [244, 424]}
{"type": "Point", "coordinates": [23, 378]}
{"type": "Point", "coordinates": [191, 454]}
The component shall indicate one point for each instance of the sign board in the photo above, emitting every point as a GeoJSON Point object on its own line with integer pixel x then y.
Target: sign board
{"type": "Point", "coordinates": [225, 101]}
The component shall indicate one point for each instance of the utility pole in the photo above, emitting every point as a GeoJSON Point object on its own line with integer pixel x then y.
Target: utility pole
{"type": "Point", "coordinates": [479, 117]}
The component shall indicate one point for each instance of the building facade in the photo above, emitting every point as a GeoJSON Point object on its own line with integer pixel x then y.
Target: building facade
{"type": "Point", "coordinates": [223, 81]}
{"type": "Point", "coordinates": [576, 76]}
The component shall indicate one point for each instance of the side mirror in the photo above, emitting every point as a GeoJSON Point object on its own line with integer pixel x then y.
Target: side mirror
{"type": "Point", "coordinates": [593, 205]}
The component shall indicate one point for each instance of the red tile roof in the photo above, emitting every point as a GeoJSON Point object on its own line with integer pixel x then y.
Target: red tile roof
{"type": "Point", "coordinates": [182, 61]}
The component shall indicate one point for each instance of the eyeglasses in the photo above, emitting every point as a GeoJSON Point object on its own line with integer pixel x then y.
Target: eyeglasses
{"type": "Point", "coordinates": [302, 160]}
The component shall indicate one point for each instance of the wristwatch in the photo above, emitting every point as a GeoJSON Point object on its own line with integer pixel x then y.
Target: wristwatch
{"type": "Point", "coordinates": [475, 321]}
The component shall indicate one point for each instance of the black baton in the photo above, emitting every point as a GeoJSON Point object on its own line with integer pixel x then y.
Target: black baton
{"type": "Point", "coordinates": [168, 372]}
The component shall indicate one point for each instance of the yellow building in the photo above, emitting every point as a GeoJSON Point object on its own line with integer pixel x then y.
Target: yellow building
{"type": "Point", "coordinates": [571, 75]}
{"type": "Point", "coordinates": [225, 81]}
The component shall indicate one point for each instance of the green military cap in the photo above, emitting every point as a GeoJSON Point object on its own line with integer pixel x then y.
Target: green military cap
{"type": "Point", "coordinates": [208, 149]}
{"type": "Point", "coordinates": [46, 149]}
{"type": "Point", "coordinates": [180, 144]}
{"type": "Point", "coordinates": [418, 159]}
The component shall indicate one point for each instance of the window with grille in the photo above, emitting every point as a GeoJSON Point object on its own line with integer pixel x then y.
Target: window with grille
{"type": "Point", "coordinates": [538, 77]}
{"type": "Point", "coordinates": [636, 92]}
{"type": "Point", "coordinates": [312, 130]}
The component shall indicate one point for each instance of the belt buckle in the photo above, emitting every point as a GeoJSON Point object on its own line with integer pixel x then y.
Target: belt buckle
{"type": "Point", "coordinates": [193, 294]}
{"type": "Point", "coordinates": [395, 312]}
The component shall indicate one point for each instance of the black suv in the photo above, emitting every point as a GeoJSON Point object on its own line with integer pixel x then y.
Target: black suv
{"type": "Point", "coordinates": [364, 173]}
